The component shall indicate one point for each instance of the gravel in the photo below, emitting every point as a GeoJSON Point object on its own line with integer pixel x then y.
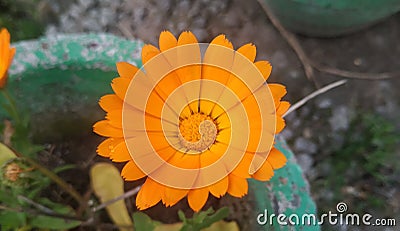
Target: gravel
{"type": "Point", "coordinates": [141, 18]}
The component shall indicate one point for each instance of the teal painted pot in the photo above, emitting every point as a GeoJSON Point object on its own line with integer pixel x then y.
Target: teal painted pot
{"type": "Point", "coordinates": [58, 81]}
{"type": "Point", "coordinates": [331, 17]}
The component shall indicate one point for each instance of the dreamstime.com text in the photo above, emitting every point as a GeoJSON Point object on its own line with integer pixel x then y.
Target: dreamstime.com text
{"type": "Point", "coordinates": [339, 217]}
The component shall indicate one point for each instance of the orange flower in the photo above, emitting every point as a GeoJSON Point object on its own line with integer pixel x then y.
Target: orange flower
{"type": "Point", "coordinates": [196, 119]}
{"type": "Point", "coordinates": [6, 55]}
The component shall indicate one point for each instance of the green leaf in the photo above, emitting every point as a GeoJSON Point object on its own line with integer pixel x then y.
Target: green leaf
{"type": "Point", "coordinates": [203, 219]}
{"type": "Point", "coordinates": [46, 222]}
{"type": "Point", "coordinates": [199, 217]}
{"type": "Point", "coordinates": [143, 222]}
{"type": "Point", "coordinates": [12, 220]}
{"type": "Point", "coordinates": [107, 184]}
{"type": "Point", "coordinates": [181, 216]}
{"type": "Point", "coordinates": [5, 196]}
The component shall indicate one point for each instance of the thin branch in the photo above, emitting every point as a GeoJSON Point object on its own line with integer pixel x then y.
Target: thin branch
{"type": "Point", "coordinates": [36, 205]}
{"type": "Point", "coordinates": [309, 64]}
{"type": "Point", "coordinates": [355, 75]}
{"type": "Point", "coordinates": [122, 197]}
{"type": "Point", "coordinates": [37, 213]}
{"type": "Point", "coordinates": [314, 94]}
{"type": "Point", "coordinates": [291, 40]}
{"type": "Point", "coordinates": [13, 112]}
{"type": "Point", "coordinates": [124, 27]}
{"type": "Point", "coordinates": [83, 206]}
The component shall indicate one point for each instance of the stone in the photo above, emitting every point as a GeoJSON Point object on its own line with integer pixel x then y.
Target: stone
{"type": "Point", "coordinates": [340, 119]}
{"type": "Point", "coordinates": [305, 145]}
{"type": "Point", "coordinates": [323, 103]}
{"type": "Point", "coordinates": [279, 59]}
{"type": "Point", "coordinates": [85, 3]}
{"type": "Point", "coordinates": [287, 134]}
{"type": "Point", "coordinates": [305, 161]}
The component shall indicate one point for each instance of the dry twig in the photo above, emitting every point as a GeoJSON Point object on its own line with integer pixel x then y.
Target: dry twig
{"type": "Point", "coordinates": [123, 196]}
{"type": "Point", "coordinates": [314, 94]}
{"type": "Point", "coordinates": [125, 29]}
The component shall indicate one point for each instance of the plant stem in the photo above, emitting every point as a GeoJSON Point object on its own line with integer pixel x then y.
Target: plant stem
{"type": "Point", "coordinates": [37, 213]}
{"type": "Point", "coordinates": [14, 112]}
{"type": "Point", "coordinates": [56, 179]}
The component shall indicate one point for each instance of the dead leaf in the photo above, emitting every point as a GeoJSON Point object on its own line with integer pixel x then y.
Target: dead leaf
{"type": "Point", "coordinates": [108, 184]}
{"type": "Point", "coordinates": [5, 154]}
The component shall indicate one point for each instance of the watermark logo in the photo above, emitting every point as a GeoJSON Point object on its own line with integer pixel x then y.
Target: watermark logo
{"type": "Point", "coordinates": [338, 217]}
{"type": "Point", "coordinates": [341, 207]}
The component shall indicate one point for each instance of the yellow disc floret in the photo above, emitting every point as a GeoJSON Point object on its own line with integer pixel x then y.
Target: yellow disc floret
{"type": "Point", "coordinates": [197, 132]}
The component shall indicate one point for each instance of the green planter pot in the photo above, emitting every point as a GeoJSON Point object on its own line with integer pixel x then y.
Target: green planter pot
{"type": "Point", "coordinates": [331, 17]}
{"type": "Point", "coordinates": [59, 81]}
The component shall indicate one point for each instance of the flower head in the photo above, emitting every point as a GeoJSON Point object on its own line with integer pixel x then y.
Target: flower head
{"type": "Point", "coordinates": [6, 55]}
{"type": "Point", "coordinates": [196, 119]}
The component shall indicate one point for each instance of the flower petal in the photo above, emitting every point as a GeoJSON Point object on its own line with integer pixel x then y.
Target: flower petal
{"type": "Point", "coordinates": [104, 148]}
{"type": "Point", "coordinates": [114, 117]}
{"type": "Point", "coordinates": [264, 173]}
{"type": "Point", "coordinates": [149, 195]}
{"type": "Point", "coordinates": [211, 156]}
{"type": "Point", "coordinates": [167, 40]}
{"type": "Point", "coordinates": [222, 41]}
{"type": "Point", "coordinates": [265, 68]}
{"type": "Point", "coordinates": [131, 171]}
{"type": "Point", "coordinates": [238, 186]}
{"type": "Point", "coordinates": [277, 90]}
{"type": "Point", "coordinates": [186, 37]}
{"type": "Point", "coordinates": [187, 161]}
{"type": "Point", "coordinates": [282, 108]}
{"type": "Point", "coordinates": [280, 124]}
{"type": "Point", "coordinates": [188, 59]}
{"type": "Point", "coordinates": [11, 56]}
{"type": "Point", "coordinates": [249, 51]}
{"type": "Point", "coordinates": [120, 86]}
{"type": "Point", "coordinates": [242, 169]}
{"type": "Point", "coordinates": [126, 70]}
{"type": "Point", "coordinates": [148, 52]}
{"type": "Point", "coordinates": [120, 153]}
{"type": "Point", "coordinates": [107, 145]}
{"type": "Point", "coordinates": [276, 158]}
{"type": "Point", "coordinates": [219, 58]}
{"type": "Point", "coordinates": [172, 195]}
{"type": "Point", "coordinates": [197, 198]}
{"type": "Point", "coordinates": [219, 188]}
{"type": "Point", "coordinates": [110, 102]}
{"type": "Point", "coordinates": [104, 128]}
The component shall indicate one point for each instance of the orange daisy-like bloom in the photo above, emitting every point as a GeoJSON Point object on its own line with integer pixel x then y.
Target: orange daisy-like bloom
{"type": "Point", "coordinates": [6, 55]}
{"type": "Point", "coordinates": [195, 119]}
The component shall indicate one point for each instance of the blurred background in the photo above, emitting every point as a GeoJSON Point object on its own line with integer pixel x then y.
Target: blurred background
{"type": "Point", "coordinates": [346, 140]}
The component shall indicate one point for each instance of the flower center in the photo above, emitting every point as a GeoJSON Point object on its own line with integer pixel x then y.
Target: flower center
{"type": "Point", "coordinates": [197, 132]}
